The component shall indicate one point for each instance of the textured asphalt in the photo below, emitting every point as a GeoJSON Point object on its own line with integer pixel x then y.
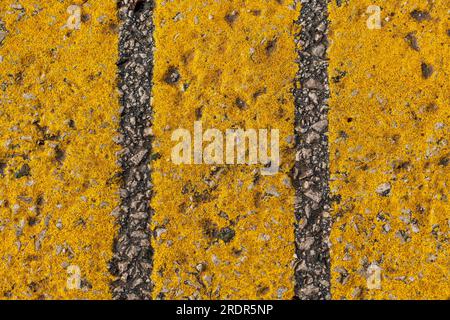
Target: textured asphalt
{"type": "Point", "coordinates": [91, 207]}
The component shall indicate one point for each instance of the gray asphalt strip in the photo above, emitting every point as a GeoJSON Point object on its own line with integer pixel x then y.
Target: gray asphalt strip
{"type": "Point", "coordinates": [132, 261]}
{"type": "Point", "coordinates": [311, 171]}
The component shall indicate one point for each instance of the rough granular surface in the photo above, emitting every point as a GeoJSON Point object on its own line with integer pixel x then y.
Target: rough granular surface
{"type": "Point", "coordinates": [58, 114]}
{"type": "Point", "coordinates": [224, 231]}
{"type": "Point", "coordinates": [132, 263]}
{"type": "Point", "coordinates": [389, 131]}
{"type": "Point", "coordinates": [310, 174]}
{"type": "Point", "coordinates": [120, 178]}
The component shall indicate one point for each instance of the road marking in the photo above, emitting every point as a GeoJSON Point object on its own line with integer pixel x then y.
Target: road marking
{"type": "Point", "coordinates": [223, 231]}
{"type": "Point", "coordinates": [57, 118]}
{"type": "Point", "coordinates": [389, 150]}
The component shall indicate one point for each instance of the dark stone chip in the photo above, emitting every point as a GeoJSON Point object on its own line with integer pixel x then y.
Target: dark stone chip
{"type": "Point", "coordinates": [23, 172]}
{"type": "Point", "coordinates": [271, 46]}
{"type": "Point", "coordinates": [198, 113]}
{"type": "Point", "coordinates": [71, 124]}
{"type": "Point", "coordinates": [226, 234]}
{"type": "Point", "coordinates": [412, 41]}
{"type": "Point", "coordinates": [231, 17]}
{"type": "Point", "coordinates": [343, 134]}
{"type": "Point", "coordinates": [400, 165]}
{"type": "Point", "coordinates": [259, 93]}
{"type": "Point", "coordinates": [339, 76]}
{"type": "Point", "coordinates": [32, 221]}
{"type": "Point", "coordinates": [385, 193]}
{"type": "Point", "coordinates": [85, 284]}
{"type": "Point", "coordinates": [420, 15]}
{"type": "Point", "coordinates": [262, 290]}
{"type": "Point", "coordinates": [444, 161]}
{"type": "Point", "coordinates": [223, 215]}
{"type": "Point", "coordinates": [431, 108]}
{"type": "Point", "coordinates": [337, 198]}
{"type": "Point", "coordinates": [209, 228]}
{"type": "Point", "coordinates": [60, 155]}
{"type": "Point", "coordinates": [172, 76]}
{"type": "Point", "coordinates": [143, 5]}
{"type": "Point", "coordinates": [2, 168]}
{"type": "Point", "coordinates": [85, 17]}
{"type": "Point", "coordinates": [240, 103]}
{"type": "Point", "coordinates": [427, 70]}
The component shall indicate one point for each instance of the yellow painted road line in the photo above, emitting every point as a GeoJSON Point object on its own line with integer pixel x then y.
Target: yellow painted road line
{"type": "Point", "coordinates": [223, 231]}
{"type": "Point", "coordinates": [58, 115]}
{"type": "Point", "coordinates": [389, 125]}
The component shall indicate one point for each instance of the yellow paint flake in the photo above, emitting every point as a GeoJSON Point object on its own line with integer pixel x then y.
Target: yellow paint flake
{"type": "Point", "coordinates": [389, 150]}
{"type": "Point", "coordinates": [58, 108]}
{"type": "Point", "coordinates": [223, 231]}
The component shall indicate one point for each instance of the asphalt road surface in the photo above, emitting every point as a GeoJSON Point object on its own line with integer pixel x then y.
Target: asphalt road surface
{"type": "Point", "coordinates": [121, 173]}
